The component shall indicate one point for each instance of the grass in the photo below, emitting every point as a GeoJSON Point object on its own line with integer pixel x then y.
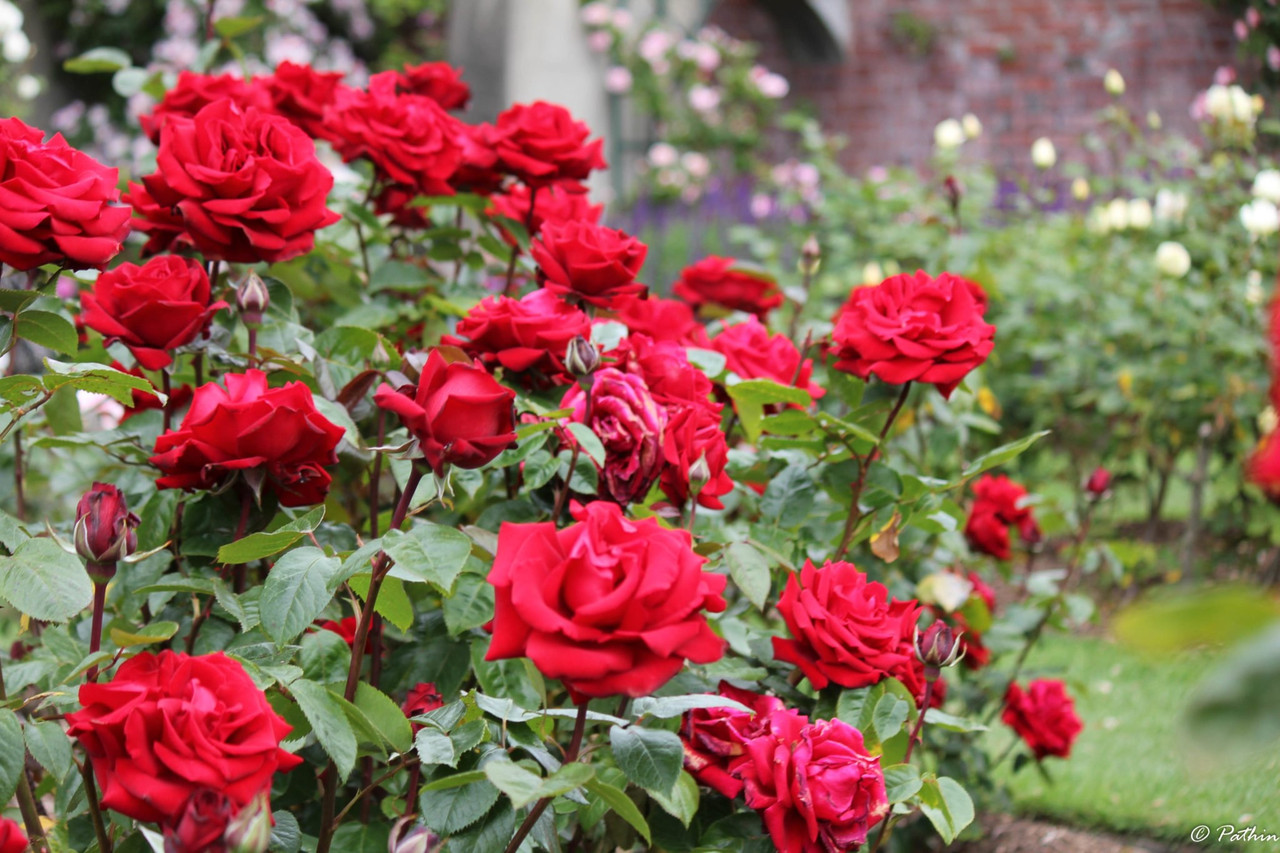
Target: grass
{"type": "Point", "coordinates": [1135, 768]}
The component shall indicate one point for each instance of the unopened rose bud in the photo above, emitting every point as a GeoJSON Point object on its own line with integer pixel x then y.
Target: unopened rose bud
{"type": "Point", "coordinates": [1080, 189]}
{"type": "Point", "coordinates": [250, 830]}
{"type": "Point", "coordinates": [699, 474]}
{"type": "Point", "coordinates": [810, 256]}
{"type": "Point", "coordinates": [104, 531]}
{"type": "Point", "coordinates": [938, 647]}
{"type": "Point", "coordinates": [1043, 154]}
{"type": "Point", "coordinates": [1098, 483]}
{"type": "Point", "coordinates": [408, 838]}
{"type": "Point", "coordinates": [953, 191]}
{"type": "Point", "coordinates": [972, 127]}
{"type": "Point", "coordinates": [252, 300]}
{"type": "Point", "coordinates": [1113, 82]}
{"type": "Point", "coordinates": [581, 358]}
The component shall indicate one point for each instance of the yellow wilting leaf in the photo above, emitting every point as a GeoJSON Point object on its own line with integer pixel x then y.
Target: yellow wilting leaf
{"type": "Point", "coordinates": [1125, 381]}
{"type": "Point", "coordinates": [905, 420]}
{"type": "Point", "coordinates": [884, 544]}
{"type": "Point", "coordinates": [989, 404]}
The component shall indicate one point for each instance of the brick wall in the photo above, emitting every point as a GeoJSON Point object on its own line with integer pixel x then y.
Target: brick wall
{"type": "Point", "coordinates": [1026, 68]}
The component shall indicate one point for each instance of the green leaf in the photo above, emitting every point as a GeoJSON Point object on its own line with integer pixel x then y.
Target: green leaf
{"type": "Point", "coordinates": [323, 710]}
{"type": "Point", "coordinates": [1001, 455]}
{"type": "Point", "coordinates": [947, 806]}
{"type": "Point", "coordinates": [50, 746]}
{"type": "Point", "coordinates": [750, 572]}
{"type": "Point", "coordinates": [13, 753]}
{"type": "Point", "coordinates": [155, 632]}
{"type": "Point", "coordinates": [667, 707]}
{"type": "Point", "coordinates": [296, 592]}
{"type": "Point", "coordinates": [97, 61]}
{"type": "Point", "coordinates": [14, 301]}
{"type": "Point", "coordinates": [950, 722]}
{"type": "Point", "coordinates": [286, 835]}
{"type": "Point", "coordinates": [789, 497]}
{"type": "Point", "coordinates": [750, 398]}
{"type": "Point", "coordinates": [901, 782]}
{"type": "Point", "coordinates": [521, 786]}
{"type": "Point", "coordinates": [1235, 705]}
{"type": "Point", "coordinates": [503, 678]}
{"type": "Point", "coordinates": [230, 28]}
{"type": "Point", "coordinates": [959, 804]}
{"type": "Point", "coordinates": [97, 379]}
{"type": "Point", "coordinates": [449, 809]}
{"type": "Point", "coordinates": [589, 442]}
{"type": "Point", "coordinates": [682, 802]}
{"type": "Point", "coordinates": [455, 781]}
{"type": "Point", "coordinates": [889, 715]}
{"type": "Point", "coordinates": [265, 544]}
{"type": "Point", "coordinates": [651, 758]}
{"type": "Point", "coordinates": [385, 715]}
{"type": "Point", "coordinates": [393, 602]}
{"type": "Point", "coordinates": [434, 747]}
{"type": "Point", "coordinates": [48, 330]}
{"type": "Point", "coordinates": [1217, 616]}
{"type": "Point", "coordinates": [44, 581]}
{"type": "Point", "coordinates": [428, 553]}
{"type": "Point", "coordinates": [617, 800]}
{"type": "Point", "coordinates": [470, 606]}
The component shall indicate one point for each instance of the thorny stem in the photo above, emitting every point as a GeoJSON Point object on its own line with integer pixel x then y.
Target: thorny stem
{"type": "Point", "coordinates": [570, 755]}
{"type": "Point", "coordinates": [166, 385]}
{"type": "Point", "coordinates": [95, 812]}
{"type": "Point", "coordinates": [864, 465]}
{"type": "Point", "coordinates": [369, 787]}
{"type": "Point", "coordinates": [197, 366]}
{"type": "Point", "coordinates": [915, 731]}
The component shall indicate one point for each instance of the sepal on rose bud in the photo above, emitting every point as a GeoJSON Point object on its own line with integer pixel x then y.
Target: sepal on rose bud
{"type": "Point", "coordinates": [938, 647]}
{"type": "Point", "coordinates": [250, 830]}
{"type": "Point", "coordinates": [252, 300]}
{"type": "Point", "coordinates": [406, 837]}
{"type": "Point", "coordinates": [104, 532]}
{"type": "Point", "coordinates": [581, 359]}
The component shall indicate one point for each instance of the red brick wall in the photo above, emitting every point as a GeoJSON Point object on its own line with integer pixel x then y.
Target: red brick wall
{"type": "Point", "coordinates": [1026, 68]}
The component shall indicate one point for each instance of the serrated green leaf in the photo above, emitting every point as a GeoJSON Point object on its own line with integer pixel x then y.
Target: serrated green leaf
{"type": "Point", "coordinates": [329, 722]}
{"type": "Point", "coordinates": [889, 715]}
{"type": "Point", "coordinates": [385, 715]}
{"type": "Point", "coordinates": [434, 747]}
{"type": "Point", "coordinates": [155, 632]}
{"type": "Point", "coordinates": [901, 782]}
{"type": "Point", "coordinates": [950, 722]}
{"type": "Point", "coordinates": [470, 606]}
{"type": "Point", "coordinates": [48, 744]}
{"type": "Point", "coordinates": [286, 835]}
{"type": "Point", "coordinates": [682, 801]}
{"type": "Point", "coordinates": [267, 543]}
{"type": "Point", "coordinates": [617, 800]}
{"type": "Point", "coordinates": [588, 441]}
{"type": "Point", "coordinates": [520, 786]}
{"type": "Point", "coordinates": [48, 330]}
{"type": "Point", "coordinates": [651, 758]}
{"type": "Point", "coordinates": [44, 581]}
{"type": "Point", "coordinates": [296, 592]}
{"type": "Point", "coordinates": [449, 810]}
{"type": "Point", "coordinates": [1002, 454]}
{"type": "Point", "coordinates": [97, 379]}
{"type": "Point", "coordinates": [393, 602]}
{"type": "Point", "coordinates": [667, 707]}
{"type": "Point", "coordinates": [428, 553]}
{"type": "Point", "coordinates": [750, 572]}
{"type": "Point", "coordinates": [13, 753]}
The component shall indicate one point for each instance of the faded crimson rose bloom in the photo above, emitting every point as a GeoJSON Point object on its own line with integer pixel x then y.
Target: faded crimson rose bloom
{"type": "Point", "coordinates": [607, 605]}
{"type": "Point", "coordinates": [752, 353]}
{"type": "Point", "coordinates": [479, 171]}
{"type": "Point", "coordinates": [247, 185]}
{"type": "Point", "coordinates": [193, 92]}
{"type": "Point", "coordinates": [201, 825]}
{"type": "Point", "coordinates": [550, 204]}
{"type": "Point", "coordinates": [629, 424]}
{"type": "Point", "coordinates": [12, 838]}
{"type": "Point", "coordinates": [169, 725]}
{"type": "Point", "coordinates": [660, 319]}
{"type": "Point", "coordinates": [152, 309]}
{"type": "Point", "coordinates": [527, 337]}
{"type": "Point", "coordinates": [847, 630]}
{"type": "Point", "coordinates": [914, 328]}
{"type": "Point", "coordinates": [1044, 716]}
{"type": "Point", "coordinates": [585, 262]}
{"type": "Point", "coordinates": [409, 139]}
{"type": "Point", "coordinates": [459, 414]}
{"type": "Point", "coordinates": [815, 785]}
{"type": "Point", "coordinates": [718, 281]}
{"type": "Point", "coordinates": [542, 144]}
{"type": "Point", "coordinates": [301, 94]}
{"type": "Point", "coordinates": [57, 205]}
{"type": "Point", "coordinates": [439, 81]}
{"type": "Point", "coordinates": [105, 529]}
{"type": "Point", "coordinates": [273, 437]}
{"type": "Point", "coordinates": [999, 505]}
{"type": "Point", "coordinates": [715, 737]}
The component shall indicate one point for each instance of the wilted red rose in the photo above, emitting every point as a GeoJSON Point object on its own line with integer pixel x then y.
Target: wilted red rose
{"type": "Point", "coordinates": [815, 785]}
{"type": "Point", "coordinates": [201, 825]}
{"type": "Point", "coordinates": [550, 204]}
{"type": "Point", "coordinates": [998, 505]}
{"type": "Point", "coordinates": [169, 725]}
{"type": "Point", "coordinates": [273, 437]}
{"type": "Point", "coordinates": [439, 81]}
{"type": "Point", "coordinates": [527, 337]}
{"type": "Point", "coordinates": [12, 838]}
{"type": "Point", "coordinates": [1044, 716]}
{"type": "Point", "coordinates": [629, 424]}
{"type": "Point", "coordinates": [247, 185]}
{"type": "Point", "coordinates": [719, 281]}
{"type": "Point", "coordinates": [542, 144]}
{"type": "Point", "coordinates": [301, 94]}
{"type": "Point", "coordinates": [585, 262]}
{"type": "Point", "coordinates": [409, 139]}
{"type": "Point", "coordinates": [193, 92]}
{"type": "Point", "coordinates": [914, 328]}
{"type": "Point", "coordinates": [847, 630]}
{"type": "Point", "coordinates": [459, 414]}
{"type": "Point", "coordinates": [479, 171]}
{"type": "Point", "coordinates": [660, 319]}
{"type": "Point", "coordinates": [666, 370]}
{"type": "Point", "coordinates": [715, 737]}
{"type": "Point", "coordinates": [152, 309]}
{"type": "Point", "coordinates": [607, 605]}
{"type": "Point", "coordinates": [57, 204]}
{"type": "Point", "coordinates": [752, 353]}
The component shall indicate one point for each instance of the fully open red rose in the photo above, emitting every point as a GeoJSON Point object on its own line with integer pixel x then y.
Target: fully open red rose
{"type": "Point", "coordinates": [914, 328]}
{"type": "Point", "coordinates": [815, 785]}
{"type": "Point", "coordinates": [585, 262]}
{"type": "Point", "coordinates": [439, 81]}
{"type": "Point", "coordinates": [301, 94]}
{"type": "Point", "coordinates": [999, 505]}
{"type": "Point", "coordinates": [660, 319]}
{"type": "Point", "coordinates": [12, 838]}
{"type": "Point", "coordinates": [459, 414]}
{"type": "Point", "coordinates": [550, 204]}
{"type": "Point", "coordinates": [719, 281]}
{"type": "Point", "coordinates": [1044, 716]}
{"type": "Point", "coordinates": [526, 337]}
{"type": "Point", "coordinates": [752, 353]}
{"type": "Point", "coordinates": [479, 172]}
{"type": "Point", "coordinates": [716, 737]}
{"type": "Point", "coordinates": [273, 437]}
{"type": "Point", "coordinates": [56, 203]}
{"type": "Point", "coordinates": [630, 425]}
{"type": "Point", "coordinates": [247, 185]}
{"type": "Point", "coordinates": [151, 309]}
{"type": "Point", "coordinates": [542, 144]}
{"type": "Point", "coordinates": [169, 725]}
{"type": "Point", "coordinates": [607, 605]}
{"type": "Point", "coordinates": [847, 630]}
{"type": "Point", "coordinates": [193, 92]}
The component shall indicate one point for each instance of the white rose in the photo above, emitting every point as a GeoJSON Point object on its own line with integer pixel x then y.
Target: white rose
{"type": "Point", "coordinates": [1117, 214]}
{"type": "Point", "coordinates": [972, 127]}
{"type": "Point", "coordinates": [1266, 184]}
{"type": "Point", "coordinates": [948, 134]}
{"type": "Point", "coordinates": [1217, 102]}
{"type": "Point", "coordinates": [872, 273]}
{"type": "Point", "coordinates": [1080, 189]}
{"type": "Point", "coordinates": [1113, 82]}
{"type": "Point", "coordinates": [1260, 217]}
{"type": "Point", "coordinates": [663, 154]}
{"type": "Point", "coordinates": [1173, 259]}
{"type": "Point", "coordinates": [1171, 206]}
{"type": "Point", "coordinates": [1043, 154]}
{"type": "Point", "coordinates": [1139, 214]}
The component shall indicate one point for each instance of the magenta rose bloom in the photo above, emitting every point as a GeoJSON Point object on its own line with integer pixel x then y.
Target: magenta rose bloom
{"type": "Point", "coordinates": [714, 738]}
{"type": "Point", "coordinates": [246, 184]}
{"type": "Point", "coordinates": [584, 262]}
{"type": "Point", "coordinates": [607, 605]}
{"type": "Point", "coordinates": [630, 425]}
{"type": "Point", "coordinates": [914, 328]}
{"type": "Point", "coordinates": [57, 204]}
{"type": "Point", "coordinates": [542, 144]}
{"type": "Point", "coordinates": [1044, 716]}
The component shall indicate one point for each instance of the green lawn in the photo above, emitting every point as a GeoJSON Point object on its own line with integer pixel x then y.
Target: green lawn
{"type": "Point", "coordinates": [1135, 768]}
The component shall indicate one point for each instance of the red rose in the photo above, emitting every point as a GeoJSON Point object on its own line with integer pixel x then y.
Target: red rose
{"type": "Point", "coordinates": [423, 697]}
{"type": "Point", "coordinates": [458, 413]}
{"type": "Point", "coordinates": [56, 203]}
{"type": "Point", "coordinates": [344, 628]}
{"type": "Point", "coordinates": [551, 204]}
{"type": "Point", "coordinates": [272, 437]}
{"type": "Point", "coordinates": [715, 737]}
{"type": "Point", "coordinates": [717, 281]}
{"type": "Point", "coordinates": [409, 139]}
{"type": "Point", "coordinates": [814, 784]}
{"type": "Point", "coordinates": [542, 144]}
{"type": "Point", "coordinates": [913, 328]}
{"type": "Point", "coordinates": [193, 92]}
{"type": "Point", "coordinates": [169, 725]}
{"type": "Point", "coordinates": [12, 838]}
{"type": "Point", "coordinates": [847, 630]}
{"type": "Point", "coordinates": [151, 309]}
{"type": "Point", "coordinates": [1098, 483]}
{"type": "Point", "coordinates": [661, 320]}
{"type": "Point", "coordinates": [247, 185]}
{"type": "Point", "coordinates": [396, 201]}
{"type": "Point", "coordinates": [997, 507]}
{"type": "Point", "coordinates": [629, 424]}
{"type": "Point", "coordinates": [1044, 716]}
{"type": "Point", "coordinates": [201, 825]}
{"type": "Point", "coordinates": [585, 262]}
{"type": "Point", "coordinates": [439, 81]}
{"type": "Point", "coordinates": [1263, 467]}
{"type": "Point", "coordinates": [302, 94]}
{"type": "Point", "coordinates": [607, 605]}
{"type": "Point", "coordinates": [693, 436]}
{"type": "Point", "coordinates": [479, 171]}
{"type": "Point", "coordinates": [751, 353]}
{"type": "Point", "coordinates": [526, 336]}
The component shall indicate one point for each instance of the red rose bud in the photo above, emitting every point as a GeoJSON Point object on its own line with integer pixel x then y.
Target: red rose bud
{"type": "Point", "coordinates": [408, 838]}
{"type": "Point", "coordinates": [12, 839]}
{"type": "Point", "coordinates": [954, 192]}
{"type": "Point", "coordinates": [104, 530]}
{"type": "Point", "coordinates": [250, 830]}
{"type": "Point", "coordinates": [938, 647]}
{"type": "Point", "coordinates": [1098, 483]}
{"type": "Point", "coordinates": [423, 698]}
{"type": "Point", "coordinates": [581, 359]}
{"type": "Point", "coordinates": [252, 300]}
{"type": "Point", "coordinates": [200, 827]}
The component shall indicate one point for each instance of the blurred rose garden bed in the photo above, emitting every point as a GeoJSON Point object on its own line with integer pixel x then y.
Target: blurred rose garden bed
{"type": "Point", "coordinates": [367, 486]}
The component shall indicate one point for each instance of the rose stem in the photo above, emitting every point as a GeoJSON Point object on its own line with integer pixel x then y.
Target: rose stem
{"type": "Point", "coordinates": [95, 813]}
{"type": "Point", "coordinates": [457, 265]}
{"type": "Point", "coordinates": [375, 478]}
{"type": "Point", "coordinates": [570, 755]}
{"type": "Point", "coordinates": [26, 799]}
{"type": "Point", "coordinates": [381, 565]}
{"type": "Point", "coordinates": [95, 630]}
{"type": "Point", "coordinates": [246, 506]}
{"type": "Point", "coordinates": [573, 460]}
{"type": "Point", "coordinates": [197, 365]}
{"type": "Point", "coordinates": [364, 251]}
{"type": "Point", "coordinates": [511, 270]}
{"type": "Point", "coordinates": [166, 385]}
{"type": "Point", "coordinates": [855, 515]}
{"type": "Point", "coordinates": [884, 829]}
{"type": "Point", "coordinates": [19, 490]}
{"type": "Point", "coordinates": [375, 676]}
{"type": "Point", "coordinates": [794, 328]}
{"type": "Point", "coordinates": [915, 732]}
